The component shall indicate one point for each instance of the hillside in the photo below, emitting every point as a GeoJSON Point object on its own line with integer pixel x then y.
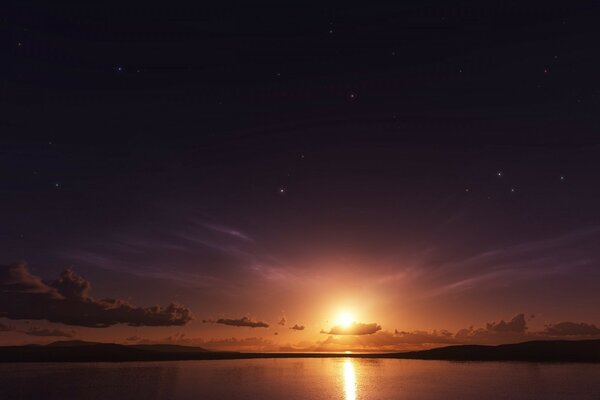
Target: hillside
{"type": "Point", "coordinates": [77, 351]}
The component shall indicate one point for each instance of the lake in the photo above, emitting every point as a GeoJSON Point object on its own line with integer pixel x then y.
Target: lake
{"type": "Point", "coordinates": [326, 378]}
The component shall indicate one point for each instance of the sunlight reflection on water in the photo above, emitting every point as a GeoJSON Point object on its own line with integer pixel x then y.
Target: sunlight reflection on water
{"type": "Point", "coordinates": [349, 380]}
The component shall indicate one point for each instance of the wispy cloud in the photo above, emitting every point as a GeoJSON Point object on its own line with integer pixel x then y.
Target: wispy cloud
{"type": "Point", "coordinates": [511, 264]}
{"type": "Point", "coordinates": [228, 231]}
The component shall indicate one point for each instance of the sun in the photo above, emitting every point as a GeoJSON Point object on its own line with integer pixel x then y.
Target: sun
{"type": "Point", "coordinates": [345, 319]}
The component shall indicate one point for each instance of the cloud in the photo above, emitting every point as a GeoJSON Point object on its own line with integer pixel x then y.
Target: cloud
{"type": "Point", "coordinates": [571, 329]}
{"type": "Point", "coordinates": [244, 321]}
{"type": "Point", "coordinates": [512, 263]}
{"type": "Point", "coordinates": [282, 321]}
{"type": "Point", "coordinates": [512, 331]}
{"type": "Point", "coordinates": [133, 339]}
{"type": "Point", "coordinates": [49, 332]}
{"type": "Point", "coordinates": [356, 328]}
{"type": "Point", "coordinates": [494, 332]}
{"type": "Point", "coordinates": [67, 300]}
{"type": "Point", "coordinates": [379, 341]}
{"type": "Point", "coordinates": [229, 231]}
{"type": "Point", "coordinates": [297, 327]}
{"type": "Point", "coordinates": [6, 328]}
{"type": "Point", "coordinates": [388, 341]}
{"type": "Point", "coordinates": [516, 325]}
{"type": "Point", "coordinates": [422, 337]}
{"type": "Point", "coordinates": [230, 344]}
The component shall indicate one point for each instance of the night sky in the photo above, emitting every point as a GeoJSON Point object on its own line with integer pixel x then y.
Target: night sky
{"type": "Point", "coordinates": [424, 169]}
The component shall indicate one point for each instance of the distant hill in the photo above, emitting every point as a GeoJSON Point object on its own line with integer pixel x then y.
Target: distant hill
{"type": "Point", "coordinates": [79, 351]}
{"type": "Point", "coordinates": [76, 350]}
{"type": "Point", "coordinates": [71, 343]}
{"type": "Point", "coordinates": [539, 350]}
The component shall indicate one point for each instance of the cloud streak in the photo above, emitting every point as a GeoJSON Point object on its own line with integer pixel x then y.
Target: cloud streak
{"type": "Point", "coordinates": [355, 328]}
{"type": "Point", "coordinates": [241, 322]}
{"type": "Point", "coordinates": [48, 332]}
{"type": "Point", "coordinates": [512, 263]}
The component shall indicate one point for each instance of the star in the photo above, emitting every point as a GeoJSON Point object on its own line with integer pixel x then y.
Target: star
{"type": "Point", "coordinates": [512, 190]}
{"type": "Point", "coordinates": [57, 185]}
{"type": "Point", "coordinates": [499, 174]}
{"type": "Point", "coordinates": [562, 178]}
{"type": "Point", "coordinates": [282, 190]}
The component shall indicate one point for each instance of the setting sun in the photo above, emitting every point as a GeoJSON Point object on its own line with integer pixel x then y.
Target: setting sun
{"type": "Point", "coordinates": [345, 319]}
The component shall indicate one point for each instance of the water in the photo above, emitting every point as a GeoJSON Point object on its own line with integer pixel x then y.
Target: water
{"type": "Point", "coordinates": [329, 378]}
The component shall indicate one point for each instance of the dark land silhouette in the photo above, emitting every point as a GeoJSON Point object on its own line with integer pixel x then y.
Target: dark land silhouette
{"type": "Point", "coordinates": [79, 351]}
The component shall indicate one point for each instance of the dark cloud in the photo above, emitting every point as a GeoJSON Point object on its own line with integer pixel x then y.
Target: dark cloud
{"type": "Point", "coordinates": [67, 300]}
{"type": "Point", "coordinates": [515, 325]}
{"type": "Point", "coordinates": [421, 337]}
{"type": "Point", "coordinates": [512, 331]}
{"type": "Point", "coordinates": [356, 328]}
{"type": "Point", "coordinates": [282, 321]}
{"type": "Point", "coordinates": [6, 328]}
{"type": "Point", "coordinates": [16, 278]}
{"type": "Point", "coordinates": [232, 343]}
{"type": "Point", "coordinates": [297, 327]}
{"type": "Point", "coordinates": [571, 329]}
{"type": "Point", "coordinates": [49, 332]}
{"type": "Point", "coordinates": [244, 321]}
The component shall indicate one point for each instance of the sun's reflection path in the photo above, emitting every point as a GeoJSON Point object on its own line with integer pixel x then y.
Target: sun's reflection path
{"type": "Point", "coordinates": [349, 380]}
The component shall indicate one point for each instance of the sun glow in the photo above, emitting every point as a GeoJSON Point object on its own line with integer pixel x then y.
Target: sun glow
{"type": "Point", "coordinates": [345, 319]}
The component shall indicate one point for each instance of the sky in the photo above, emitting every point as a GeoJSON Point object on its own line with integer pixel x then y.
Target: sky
{"type": "Point", "coordinates": [299, 178]}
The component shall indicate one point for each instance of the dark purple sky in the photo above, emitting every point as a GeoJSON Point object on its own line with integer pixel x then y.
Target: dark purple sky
{"type": "Point", "coordinates": [427, 166]}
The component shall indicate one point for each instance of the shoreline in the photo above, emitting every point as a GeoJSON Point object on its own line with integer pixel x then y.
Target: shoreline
{"type": "Point", "coordinates": [563, 351]}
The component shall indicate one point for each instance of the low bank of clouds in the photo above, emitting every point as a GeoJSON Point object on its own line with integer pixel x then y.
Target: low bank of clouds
{"type": "Point", "coordinates": [67, 300]}
{"type": "Point", "coordinates": [513, 330]}
{"type": "Point", "coordinates": [571, 329]}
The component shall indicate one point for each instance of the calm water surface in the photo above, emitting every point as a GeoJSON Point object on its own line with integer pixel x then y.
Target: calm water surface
{"type": "Point", "coordinates": [329, 378]}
